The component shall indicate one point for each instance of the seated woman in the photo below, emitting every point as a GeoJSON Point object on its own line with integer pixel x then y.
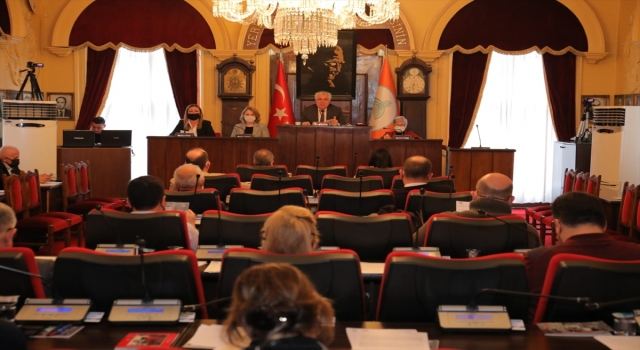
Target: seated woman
{"type": "Point", "coordinates": [380, 158]}
{"type": "Point", "coordinates": [400, 124]}
{"type": "Point", "coordinates": [290, 230]}
{"type": "Point", "coordinates": [250, 124]}
{"type": "Point", "coordinates": [193, 122]}
{"type": "Point", "coordinates": [278, 308]}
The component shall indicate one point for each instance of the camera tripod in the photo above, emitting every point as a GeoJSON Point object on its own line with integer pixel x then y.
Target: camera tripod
{"type": "Point", "coordinates": [35, 88]}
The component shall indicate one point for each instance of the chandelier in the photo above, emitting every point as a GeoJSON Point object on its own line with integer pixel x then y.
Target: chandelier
{"type": "Point", "coordinates": [307, 24]}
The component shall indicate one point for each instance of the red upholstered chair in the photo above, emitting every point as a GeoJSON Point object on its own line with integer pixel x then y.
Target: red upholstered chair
{"type": "Point", "coordinates": [223, 183]}
{"type": "Point", "coordinates": [231, 229]}
{"type": "Point", "coordinates": [593, 185]}
{"type": "Point", "coordinates": [397, 182]}
{"type": "Point", "coordinates": [387, 174]}
{"type": "Point", "coordinates": [635, 228]}
{"type": "Point", "coordinates": [434, 202]}
{"type": "Point", "coordinates": [13, 283]}
{"type": "Point", "coordinates": [84, 178]}
{"type": "Point", "coordinates": [600, 280]}
{"type": "Point", "coordinates": [71, 199]}
{"type": "Point", "coordinates": [354, 203]}
{"type": "Point", "coordinates": [350, 184]}
{"type": "Point", "coordinates": [626, 215]}
{"type": "Point", "coordinates": [263, 182]}
{"type": "Point", "coordinates": [580, 182]}
{"type": "Point", "coordinates": [246, 171]}
{"type": "Point", "coordinates": [199, 201]}
{"type": "Point", "coordinates": [317, 174]}
{"type": "Point", "coordinates": [533, 214]}
{"type": "Point", "coordinates": [247, 201]}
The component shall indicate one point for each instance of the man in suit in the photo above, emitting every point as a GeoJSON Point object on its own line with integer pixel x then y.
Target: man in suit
{"type": "Point", "coordinates": [323, 111]}
{"type": "Point", "coordinates": [97, 125]}
{"type": "Point", "coordinates": [61, 110]}
{"type": "Point", "coordinates": [263, 157]}
{"type": "Point", "coordinates": [416, 174]}
{"type": "Point", "coordinates": [10, 164]}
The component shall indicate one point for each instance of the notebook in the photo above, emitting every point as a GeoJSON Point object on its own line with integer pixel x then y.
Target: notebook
{"type": "Point", "coordinates": [78, 138]}
{"type": "Point", "coordinates": [116, 138]}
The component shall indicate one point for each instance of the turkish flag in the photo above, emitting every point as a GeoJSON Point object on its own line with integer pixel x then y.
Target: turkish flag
{"type": "Point", "coordinates": [281, 109]}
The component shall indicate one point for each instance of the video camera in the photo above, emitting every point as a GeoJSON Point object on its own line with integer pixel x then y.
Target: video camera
{"type": "Point", "coordinates": [32, 65]}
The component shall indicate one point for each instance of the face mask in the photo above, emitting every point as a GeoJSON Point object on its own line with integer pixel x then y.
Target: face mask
{"type": "Point", "coordinates": [193, 116]}
{"type": "Point", "coordinates": [250, 119]}
{"type": "Point", "coordinates": [400, 128]}
{"type": "Point", "coordinates": [14, 163]}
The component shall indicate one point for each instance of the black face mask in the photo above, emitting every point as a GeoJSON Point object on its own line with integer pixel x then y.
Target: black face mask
{"type": "Point", "coordinates": [14, 163]}
{"type": "Point", "coordinates": [193, 116]}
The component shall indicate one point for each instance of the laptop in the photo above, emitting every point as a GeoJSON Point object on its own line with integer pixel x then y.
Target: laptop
{"type": "Point", "coordinates": [116, 138]}
{"type": "Point", "coordinates": [78, 138]}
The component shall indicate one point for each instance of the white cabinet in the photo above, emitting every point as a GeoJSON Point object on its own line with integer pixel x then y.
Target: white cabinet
{"type": "Point", "coordinates": [564, 156]}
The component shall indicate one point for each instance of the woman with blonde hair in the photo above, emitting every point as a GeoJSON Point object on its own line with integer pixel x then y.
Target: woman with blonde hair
{"type": "Point", "coordinates": [278, 308]}
{"type": "Point", "coordinates": [250, 124]}
{"type": "Point", "coordinates": [193, 123]}
{"type": "Point", "coordinates": [290, 230]}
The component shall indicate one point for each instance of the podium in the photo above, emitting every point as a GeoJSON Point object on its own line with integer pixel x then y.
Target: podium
{"type": "Point", "coordinates": [470, 164]}
{"type": "Point", "coordinates": [110, 168]}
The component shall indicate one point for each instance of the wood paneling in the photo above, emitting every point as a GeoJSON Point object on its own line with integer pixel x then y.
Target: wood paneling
{"type": "Point", "coordinates": [110, 167]}
{"type": "Point", "coordinates": [469, 165]}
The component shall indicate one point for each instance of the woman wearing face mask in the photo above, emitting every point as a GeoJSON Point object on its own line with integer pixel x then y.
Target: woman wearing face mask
{"type": "Point", "coordinates": [193, 123]}
{"type": "Point", "coordinates": [400, 128]}
{"type": "Point", "coordinates": [250, 124]}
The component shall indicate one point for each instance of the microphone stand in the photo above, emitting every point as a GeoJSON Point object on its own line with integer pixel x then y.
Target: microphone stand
{"type": "Point", "coordinates": [474, 307]}
{"type": "Point", "coordinates": [220, 243]}
{"type": "Point", "coordinates": [421, 216]}
{"type": "Point", "coordinates": [315, 177]}
{"type": "Point", "coordinates": [141, 244]}
{"type": "Point", "coordinates": [484, 213]}
{"type": "Point", "coordinates": [360, 192]}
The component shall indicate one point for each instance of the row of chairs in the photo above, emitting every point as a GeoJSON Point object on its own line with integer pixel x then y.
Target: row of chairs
{"type": "Point", "coordinates": [412, 288]}
{"type": "Point", "coordinates": [629, 216]}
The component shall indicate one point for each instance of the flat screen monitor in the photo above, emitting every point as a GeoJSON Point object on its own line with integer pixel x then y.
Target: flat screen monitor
{"type": "Point", "coordinates": [78, 138]}
{"type": "Point", "coordinates": [116, 138]}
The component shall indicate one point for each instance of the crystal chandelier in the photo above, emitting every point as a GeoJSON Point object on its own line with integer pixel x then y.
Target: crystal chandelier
{"type": "Point", "coordinates": [307, 24]}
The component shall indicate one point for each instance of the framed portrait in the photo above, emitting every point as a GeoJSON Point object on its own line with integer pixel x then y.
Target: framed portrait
{"type": "Point", "coordinates": [3, 95]}
{"type": "Point", "coordinates": [331, 69]}
{"type": "Point", "coordinates": [618, 100]}
{"type": "Point", "coordinates": [64, 104]}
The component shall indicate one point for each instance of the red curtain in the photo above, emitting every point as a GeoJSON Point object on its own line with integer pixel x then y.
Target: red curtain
{"type": "Point", "coordinates": [466, 81]}
{"type": "Point", "coordinates": [99, 66]}
{"type": "Point", "coordinates": [183, 74]}
{"type": "Point", "coordinates": [560, 73]}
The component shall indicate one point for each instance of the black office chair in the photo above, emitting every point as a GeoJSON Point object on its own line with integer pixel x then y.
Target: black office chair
{"type": "Point", "coordinates": [14, 283]}
{"type": "Point", "coordinates": [161, 230]}
{"type": "Point", "coordinates": [247, 201]}
{"type": "Point", "coordinates": [103, 278]}
{"type": "Point", "coordinates": [262, 182]}
{"type": "Point", "coordinates": [222, 183]}
{"type": "Point", "coordinates": [246, 171]}
{"type": "Point", "coordinates": [318, 174]}
{"type": "Point", "coordinates": [335, 274]}
{"type": "Point", "coordinates": [349, 184]}
{"type": "Point", "coordinates": [199, 202]}
{"type": "Point", "coordinates": [444, 181]}
{"type": "Point", "coordinates": [454, 235]}
{"type": "Point", "coordinates": [237, 229]}
{"type": "Point", "coordinates": [414, 285]}
{"type": "Point", "coordinates": [354, 203]}
{"type": "Point", "coordinates": [387, 174]}
{"type": "Point", "coordinates": [434, 202]}
{"type": "Point", "coordinates": [600, 280]}
{"type": "Point", "coordinates": [372, 237]}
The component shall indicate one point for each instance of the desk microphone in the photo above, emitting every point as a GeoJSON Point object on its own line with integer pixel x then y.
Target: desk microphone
{"type": "Point", "coordinates": [473, 306]}
{"type": "Point", "coordinates": [141, 244]}
{"type": "Point", "coordinates": [193, 307]}
{"type": "Point", "coordinates": [484, 213]}
{"type": "Point", "coordinates": [2, 267]}
{"type": "Point", "coordinates": [452, 188]}
{"type": "Point", "coordinates": [315, 178]}
{"type": "Point", "coordinates": [598, 306]}
{"type": "Point", "coordinates": [195, 189]}
{"type": "Point", "coordinates": [119, 243]}
{"type": "Point", "coordinates": [220, 243]}
{"type": "Point", "coordinates": [479, 139]}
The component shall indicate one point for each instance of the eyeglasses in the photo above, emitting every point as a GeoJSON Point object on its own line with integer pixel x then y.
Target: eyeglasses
{"type": "Point", "coordinates": [496, 198]}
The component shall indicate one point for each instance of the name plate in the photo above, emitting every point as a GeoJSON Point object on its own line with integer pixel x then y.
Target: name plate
{"type": "Point", "coordinates": [185, 134]}
{"type": "Point", "coordinates": [485, 318]}
{"type": "Point", "coordinates": [138, 311]}
{"type": "Point", "coordinates": [125, 249]}
{"type": "Point", "coordinates": [321, 124]}
{"type": "Point", "coordinates": [213, 252]}
{"type": "Point", "coordinates": [48, 310]}
{"type": "Point", "coordinates": [244, 135]}
{"type": "Point", "coordinates": [402, 137]}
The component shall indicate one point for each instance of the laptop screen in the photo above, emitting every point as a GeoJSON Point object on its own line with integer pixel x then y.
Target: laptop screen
{"type": "Point", "coordinates": [78, 138]}
{"type": "Point", "coordinates": [116, 138]}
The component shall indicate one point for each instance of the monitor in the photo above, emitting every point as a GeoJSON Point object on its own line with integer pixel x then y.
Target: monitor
{"type": "Point", "coordinates": [78, 138]}
{"type": "Point", "coordinates": [116, 138]}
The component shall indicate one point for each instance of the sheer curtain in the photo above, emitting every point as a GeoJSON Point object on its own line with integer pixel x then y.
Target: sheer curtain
{"type": "Point", "coordinates": [514, 113]}
{"type": "Point", "coordinates": [140, 99]}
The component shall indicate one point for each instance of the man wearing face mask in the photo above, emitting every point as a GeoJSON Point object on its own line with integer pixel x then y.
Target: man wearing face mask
{"type": "Point", "coordinates": [193, 123]}
{"type": "Point", "coordinates": [399, 128]}
{"type": "Point", "coordinates": [10, 164]}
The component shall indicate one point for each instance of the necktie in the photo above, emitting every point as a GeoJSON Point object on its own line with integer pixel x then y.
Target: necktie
{"type": "Point", "coordinates": [60, 113]}
{"type": "Point", "coordinates": [322, 116]}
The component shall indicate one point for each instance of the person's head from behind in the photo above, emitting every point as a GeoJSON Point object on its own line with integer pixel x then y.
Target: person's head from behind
{"type": "Point", "coordinates": [192, 114]}
{"type": "Point", "coordinates": [263, 157]}
{"type": "Point", "coordinates": [495, 186]}
{"type": "Point", "coordinates": [10, 156]}
{"type": "Point", "coordinates": [186, 177]}
{"type": "Point", "coordinates": [416, 169]}
{"type": "Point", "coordinates": [97, 125]}
{"type": "Point", "coordinates": [577, 213]}
{"type": "Point", "coordinates": [275, 301]}
{"type": "Point", "coordinates": [290, 230]}
{"type": "Point", "coordinates": [380, 158]}
{"type": "Point", "coordinates": [199, 157]}
{"type": "Point", "coordinates": [250, 115]}
{"type": "Point", "coordinates": [146, 193]}
{"type": "Point", "coordinates": [400, 123]}
{"type": "Point", "coordinates": [7, 226]}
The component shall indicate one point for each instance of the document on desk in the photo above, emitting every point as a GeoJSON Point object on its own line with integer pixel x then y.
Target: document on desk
{"type": "Point", "coordinates": [388, 339]}
{"type": "Point", "coordinates": [206, 337]}
{"type": "Point", "coordinates": [616, 342]}
{"type": "Point", "coordinates": [214, 267]}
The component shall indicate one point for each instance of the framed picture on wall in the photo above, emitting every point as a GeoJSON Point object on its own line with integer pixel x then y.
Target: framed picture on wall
{"type": "Point", "coordinates": [598, 100]}
{"type": "Point", "coordinates": [331, 69]}
{"type": "Point", "coordinates": [64, 104]}
{"type": "Point", "coordinates": [618, 100]}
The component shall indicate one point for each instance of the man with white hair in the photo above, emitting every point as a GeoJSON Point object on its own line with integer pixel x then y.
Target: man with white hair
{"type": "Point", "coordinates": [186, 176]}
{"type": "Point", "coordinates": [399, 128]}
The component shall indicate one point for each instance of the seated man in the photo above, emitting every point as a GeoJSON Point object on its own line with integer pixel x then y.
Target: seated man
{"type": "Point", "coordinates": [185, 178]}
{"type": "Point", "coordinates": [97, 125]}
{"type": "Point", "coordinates": [580, 223]}
{"type": "Point", "coordinates": [416, 174]}
{"type": "Point", "coordinates": [10, 161]}
{"type": "Point", "coordinates": [400, 124]}
{"type": "Point", "coordinates": [322, 111]}
{"type": "Point", "coordinates": [196, 156]}
{"type": "Point", "coordinates": [493, 195]}
{"type": "Point", "coordinates": [263, 157]}
{"type": "Point", "coordinates": [146, 195]}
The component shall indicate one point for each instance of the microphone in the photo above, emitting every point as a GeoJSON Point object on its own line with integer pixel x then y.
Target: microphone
{"type": "Point", "coordinates": [195, 189]}
{"type": "Point", "coordinates": [360, 198]}
{"type": "Point", "coordinates": [474, 307]}
{"type": "Point", "coordinates": [220, 243]}
{"type": "Point", "coordinates": [2, 267]}
{"type": "Point", "coordinates": [119, 243]}
{"type": "Point", "coordinates": [479, 139]}
{"type": "Point", "coordinates": [598, 306]}
{"type": "Point", "coordinates": [193, 307]}
{"type": "Point", "coordinates": [315, 177]}
{"type": "Point", "coordinates": [355, 157]}
{"type": "Point", "coordinates": [279, 185]}
{"type": "Point", "coordinates": [484, 213]}
{"type": "Point", "coordinates": [141, 244]}
{"type": "Point", "coordinates": [421, 216]}
{"type": "Point", "coordinates": [452, 188]}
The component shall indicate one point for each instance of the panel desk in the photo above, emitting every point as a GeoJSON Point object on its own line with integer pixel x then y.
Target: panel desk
{"type": "Point", "coordinates": [470, 164]}
{"type": "Point", "coordinates": [110, 168]}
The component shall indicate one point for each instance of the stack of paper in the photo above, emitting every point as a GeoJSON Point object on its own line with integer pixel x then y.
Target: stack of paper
{"type": "Point", "coordinates": [206, 337]}
{"type": "Point", "coordinates": [388, 339]}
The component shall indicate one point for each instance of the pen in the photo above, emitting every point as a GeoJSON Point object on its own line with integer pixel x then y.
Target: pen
{"type": "Point", "coordinates": [60, 329]}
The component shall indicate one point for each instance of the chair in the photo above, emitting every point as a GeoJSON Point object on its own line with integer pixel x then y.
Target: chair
{"type": "Point", "coordinates": [160, 230]}
{"type": "Point", "coordinates": [626, 214]}
{"type": "Point", "coordinates": [353, 203]}
{"type": "Point", "coordinates": [434, 202]}
{"type": "Point", "coordinates": [444, 181]}
{"type": "Point", "coordinates": [635, 228]}
{"type": "Point", "coordinates": [246, 171]}
{"type": "Point", "coordinates": [414, 285]}
{"type": "Point", "coordinates": [397, 182]}
{"type": "Point", "coordinates": [236, 229]}
{"type": "Point", "coordinates": [36, 230]}
{"type": "Point", "coordinates": [350, 184]}
{"type": "Point", "coordinates": [247, 201]}
{"type": "Point", "coordinates": [600, 280]}
{"type": "Point", "coordinates": [262, 182]}
{"type": "Point", "coordinates": [372, 237]}
{"type": "Point", "coordinates": [580, 182]}
{"type": "Point", "coordinates": [199, 201]}
{"type": "Point", "coordinates": [531, 213]}
{"type": "Point", "coordinates": [84, 178]}
{"type": "Point", "coordinates": [455, 234]}
{"type": "Point", "coordinates": [103, 278]}
{"type": "Point", "coordinates": [317, 174]}
{"type": "Point", "coordinates": [14, 283]}
{"type": "Point", "coordinates": [387, 174]}
{"type": "Point", "coordinates": [593, 185]}
{"type": "Point", "coordinates": [335, 274]}
{"type": "Point", "coordinates": [71, 199]}
{"type": "Point", "coordinates": [223, 183]}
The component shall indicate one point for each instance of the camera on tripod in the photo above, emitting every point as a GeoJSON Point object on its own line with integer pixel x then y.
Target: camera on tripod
{"type": "Point", "coordinates": [32, 65]}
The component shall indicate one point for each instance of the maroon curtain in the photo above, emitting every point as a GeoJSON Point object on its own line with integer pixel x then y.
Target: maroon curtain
{"type": "Point", "coordinates": [183, 74]}
{"type": "Point", "coordinates": [466, 81]}
{"type": "Point", "coordinates": [99, 65]}
{"type": "Point", "coordinates": [560, 72]}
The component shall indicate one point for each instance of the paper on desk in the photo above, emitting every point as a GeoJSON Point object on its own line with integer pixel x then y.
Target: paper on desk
{"type": "Point", "coordinates": [616, 342]}
{"type": "Point", "coordinates": [214, 267]}
{"type": "Point", "coordinates": [388, 339]}
{"type": "Point", "coordinates": [51, 184]}
{"type": "Point", "coordinates": [369, 268]}
{"type": "Point", "coordinates": [206, 337]}
{"type": "Point", "coordinates": [201, 263]}
{"type": "Point", "coordinates": [462, 206]}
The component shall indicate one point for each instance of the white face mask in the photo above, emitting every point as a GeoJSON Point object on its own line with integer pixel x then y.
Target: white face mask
{"type": "Point", "coordinates": [249, 118]}
{"type": "Point", "coordinates": [400, 128]}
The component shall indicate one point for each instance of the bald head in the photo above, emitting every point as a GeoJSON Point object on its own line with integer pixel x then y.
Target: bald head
{"type": "Point", "coordinates": [496, 186]}
{"type": "Point", "coordinates": [263, 157]}
{"type": "Point", "coordinates": [416, 169]}
{"type": "Point", "coordinates": [185, 177]}
{"type": "Point", "coordinates": [9, 151]}
{"type": "Point", "coordinates": [7, 226]}
{"type": "Point", "coordinates": [199, 157]}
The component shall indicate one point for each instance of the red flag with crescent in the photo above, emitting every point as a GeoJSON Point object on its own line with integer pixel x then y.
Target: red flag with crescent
{"type": "Point", "coordinates": [281, 109]}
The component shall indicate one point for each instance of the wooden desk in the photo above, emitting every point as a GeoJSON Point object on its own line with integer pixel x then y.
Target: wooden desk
{"type": "Point", "coordinates": [611, 199]}
{"type": "Point", "coordinates": [469, 165]}
{"type": "Point", "coordinates": [51, 196]}
{"type": "Point", "coordinates": [110, 168]}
